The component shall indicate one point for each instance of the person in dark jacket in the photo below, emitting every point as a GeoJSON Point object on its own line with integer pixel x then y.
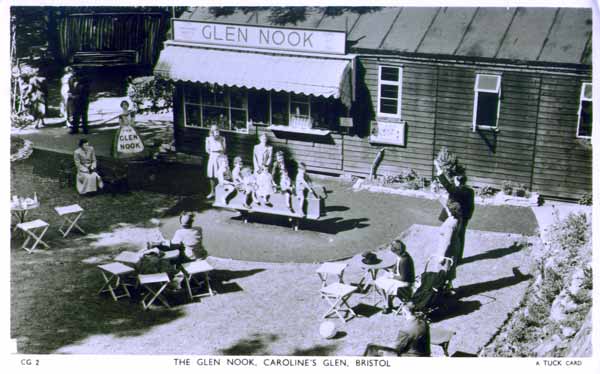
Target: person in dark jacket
{"type": "Point", "coordinates": [78, 103]}
{"type": "Point", "coordinates": [404, 271]}
{"type": "Point", "coordinates": [413, 340]}
{"type": "Point", "coordinates": [461, 204]}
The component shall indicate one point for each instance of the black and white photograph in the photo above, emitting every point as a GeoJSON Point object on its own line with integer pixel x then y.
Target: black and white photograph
{"type": "Point", "coordinates": [265, 186]}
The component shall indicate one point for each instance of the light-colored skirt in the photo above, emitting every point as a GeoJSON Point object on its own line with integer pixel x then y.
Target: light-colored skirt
{"type": "Point", "coordinates": [212, 165]}
{"type": "Point", "coordinates": [88, 182]}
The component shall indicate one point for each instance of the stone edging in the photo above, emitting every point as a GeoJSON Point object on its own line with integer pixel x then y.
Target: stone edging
{"type": "Point", "coordinates": [499, 199]}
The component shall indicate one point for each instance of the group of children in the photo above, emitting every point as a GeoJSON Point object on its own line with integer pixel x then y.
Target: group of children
{"type": "Point", "coordinates": [258, 186]}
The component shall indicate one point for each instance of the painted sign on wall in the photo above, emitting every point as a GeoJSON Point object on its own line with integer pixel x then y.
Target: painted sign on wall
{"type": "Point", "coordinates": [388, 133]}
{"type": "Point", "coordinates": [263, 37]}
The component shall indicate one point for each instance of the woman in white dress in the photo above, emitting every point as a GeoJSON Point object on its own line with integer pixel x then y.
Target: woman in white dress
{"type": "Point", "coordinates": [64, 93]}
{"type": "Point", "coordinates": [263, 154]}
{"type": "Point", "coordinates": [88, 179]}
{"type": "Point", "coordinates": [215, 147]}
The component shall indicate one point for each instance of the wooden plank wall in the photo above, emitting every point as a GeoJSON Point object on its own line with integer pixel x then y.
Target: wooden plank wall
{"type": "Point", "coordinates": [142, 32]}
{"type": "Point", "coordinates": [490, 158]}
{"type": "Point", "coordinates": [418, 110]}
{"type": "Point", "coordinates": [563, 165]}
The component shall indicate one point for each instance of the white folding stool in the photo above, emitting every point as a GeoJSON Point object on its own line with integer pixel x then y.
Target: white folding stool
{"type": "Point", "coordinates": [192, 269]}
{"type": "Point", "coordinates": [337, 295]}
{"type": "Point", "coordinates": [71, 214]}
{"type": "Point", "coordinates": [113, 272]}
{"type": "Point", "coordinates": [29, 228]}
{"type": "Point", "coordinates": [155, 284]}
{"type": "Point", "coordinates": [331, 268]}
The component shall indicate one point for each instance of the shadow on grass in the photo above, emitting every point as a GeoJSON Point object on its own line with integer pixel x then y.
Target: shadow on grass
{"type": "Point", "coordinates": [450, 308]}
{"type": "Point", "coordinates": [256, 344]}
{"type": "Point", "coordinates": [325, 226]}
{"type": "Point", "coordinates": [494, 253]}
{"type": "Point", "coordinates": [477, 288]}
{"type": "Point", "coordinates": [196, 203]}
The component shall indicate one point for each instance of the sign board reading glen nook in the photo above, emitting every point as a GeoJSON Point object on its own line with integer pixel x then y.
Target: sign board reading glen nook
{"type": "Point", "coordinates": [275, 38]}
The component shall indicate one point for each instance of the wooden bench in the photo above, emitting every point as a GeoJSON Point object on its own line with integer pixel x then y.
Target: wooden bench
{"type": "Point", "coordinates": [315, 207]}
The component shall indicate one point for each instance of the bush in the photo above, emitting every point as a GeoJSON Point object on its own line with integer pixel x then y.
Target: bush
{"type": "Point", "coordinates": [486, 191]}
{"type": "Point", "coordinates": [151, 94]}
{"type": "Point", "coordinates": [507, 187]}
{"type": "Point", "coordinates": [586, 199]}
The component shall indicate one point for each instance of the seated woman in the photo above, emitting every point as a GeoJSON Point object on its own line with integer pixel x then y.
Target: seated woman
{"type": "Point", "coordinates": [225, 179]}
{"type": "Point", "coordinates": [88, 180]}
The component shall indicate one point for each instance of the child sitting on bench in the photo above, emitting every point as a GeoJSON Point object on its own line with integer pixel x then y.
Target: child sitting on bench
{"type": "Point", "coordinates": [303, 186]}
{"type": "Point", "coordinates": [247, 186]}
{"type": "Point", "coordinates": [264, 186]}
{"type": "Point", "coordinates": [285, 187]}
{"type": "Point", "coordinates": [225, 178]}
{"type": "Point", "coordinates": [236, 173]}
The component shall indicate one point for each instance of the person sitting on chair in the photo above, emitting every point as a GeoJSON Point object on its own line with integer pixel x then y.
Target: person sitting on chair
{"type": "Point", "coordinates": [190, 237]}
{"type": "Point", "coordinates": [404, 272]}
{"type": "Point", "coordinates": [88, 180]}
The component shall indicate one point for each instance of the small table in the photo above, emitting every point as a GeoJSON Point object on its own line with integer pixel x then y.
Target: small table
{"type": "Point", "coordinates": [71, 214]}
{"type": "Point", "coordinates": [29, 228]}
{"type": "Point", "coordinates": [191, 269]}
{"type": "Point", "coordinates": [387, 260]}
{"type": "Point", "coordinates": [112, 274]}
{"type": "Point", "coordinates": [20, 211]}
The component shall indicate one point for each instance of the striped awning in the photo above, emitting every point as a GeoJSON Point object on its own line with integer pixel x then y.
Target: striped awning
{"type": "Point", "coordinates": [297, 74]}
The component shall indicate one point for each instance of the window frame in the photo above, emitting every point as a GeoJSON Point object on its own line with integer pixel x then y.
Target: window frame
{"type": "Point", "coordinates": [398, 84]}
{"type": "Point", "coordinates": [497, 91]}
{"type": "Point", "coordinates": [581, 99]}
{"type": "Point", "coordinates": [201, 106]}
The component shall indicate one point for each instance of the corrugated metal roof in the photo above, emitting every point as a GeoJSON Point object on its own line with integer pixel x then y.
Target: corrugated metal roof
{"type": "Point", "coordinates": [552, 35]}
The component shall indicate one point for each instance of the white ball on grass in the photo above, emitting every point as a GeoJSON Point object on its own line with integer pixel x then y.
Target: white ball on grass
{"type": "Point", "coordinates": [327, 330]}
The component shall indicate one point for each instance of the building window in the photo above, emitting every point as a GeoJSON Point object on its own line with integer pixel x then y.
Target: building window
{"type": "Point", "coordinates": [584, 126]}
{"type": "Point", "coordinates": [207, 105]}
{"type": "Point", "coordinates": [390, 91]}
{"type": "Point", "coordinates": [259, 106]}
{"type": "Point", "coordinates": [486, 106]}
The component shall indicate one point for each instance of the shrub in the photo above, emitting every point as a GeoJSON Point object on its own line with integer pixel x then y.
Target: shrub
{"type": "Point", "coordinates": [507, 187]}
{"type": "Point", "coordinates": [151, 94]}
{"type": "Point", "coordinates": [586, 199]}
{"type": "Point", "coordinates": [486, 191]}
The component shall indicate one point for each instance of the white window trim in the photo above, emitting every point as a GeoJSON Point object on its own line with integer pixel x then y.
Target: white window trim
{"type": "Point", "coordinates": [582, 98]}
{"type": "Point", "coordinates": [200, 104]}
{"type": "Point", "coordinates": [392, 83]}
{"type": "Point", "coordinates": [498, 91]}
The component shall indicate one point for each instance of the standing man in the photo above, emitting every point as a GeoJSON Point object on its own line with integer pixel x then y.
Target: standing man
{"type": "Point", "coordinates": [73, 115]}
{"type": "Point", "coordinates": [461, 204]}
{"type": "Point", "coordinates": [84, 102]}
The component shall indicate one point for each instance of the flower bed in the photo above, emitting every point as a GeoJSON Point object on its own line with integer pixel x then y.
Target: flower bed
{"type": "Point", "coordinates": [20, 149]}
{"type": "Point", "coordinates": [435, 193]}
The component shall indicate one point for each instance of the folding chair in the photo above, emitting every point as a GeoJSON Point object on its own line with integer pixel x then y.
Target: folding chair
{"type": "Point", "coordinates": [192, 269]}
{"type": "Point", "coordinates": [337, 295]}
{"type": "Point", "coordinates": [29, 228]}
{"type": "Point", "coordinates": [71, 214]}
{"type": "Point", "coordinates": [155, 284]}
{"type": "Point", "coordinates": [389, 287]}
{"type": "Point", "coordinates": [441, 337]}
{"type": "Point", "coordinates": [112, 274]}
{"type": "Point", "coordinates": [331, 268]}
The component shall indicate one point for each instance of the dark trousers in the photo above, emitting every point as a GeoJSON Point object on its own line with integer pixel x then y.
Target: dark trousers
{"type": "Point", "coordinates": [77, 112]}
